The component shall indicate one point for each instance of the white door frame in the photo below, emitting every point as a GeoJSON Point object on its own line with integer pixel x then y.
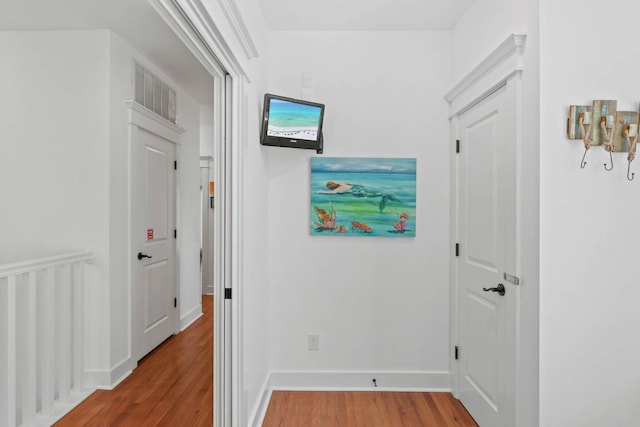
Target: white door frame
{"type": "Point", "coordinates": [504, 65]}
{"type": "Point", "coordinates": [193, 25]}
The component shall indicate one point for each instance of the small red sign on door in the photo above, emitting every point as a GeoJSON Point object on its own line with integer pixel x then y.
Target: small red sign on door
{"type": "Point", "coordinates": [149, 233]}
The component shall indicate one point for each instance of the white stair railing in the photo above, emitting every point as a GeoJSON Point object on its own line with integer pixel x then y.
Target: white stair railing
{"type": "Point", "coordinates": [42, 338]}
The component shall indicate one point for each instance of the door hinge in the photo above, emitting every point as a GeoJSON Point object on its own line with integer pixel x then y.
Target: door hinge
{"type": "Point", "coordinates": [227, 293]}
{"type": "Point", "coordinates": [457, 353]}
{"type": "Point", "coordinates": [457, 249]}
{"type": "Point", "coordinates": [457, 145]}
{"type": "Point", "coordinates": [175, 302]}
{"type": "Point", "coordinates": [175, 233]}
{"type": "Point", "coordinates": [175, 165]}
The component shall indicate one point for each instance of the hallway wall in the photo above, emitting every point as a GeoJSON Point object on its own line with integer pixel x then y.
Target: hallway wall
{"type": "Point", "coordinates": [54, 134]}
{"type": "Point", "coordinates": [54, 179]}
{"type": "Point", "coordinates": [589, 318]}
{"type": "Point", "coordinates": [378, 304]}
{"type": "Point", "coordinates": [64, 173]}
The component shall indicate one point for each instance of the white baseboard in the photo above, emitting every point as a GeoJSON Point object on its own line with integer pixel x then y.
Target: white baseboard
{"type": "Point", "coordinates": [190, 317]}
{"type": "Point", "coordinates": [60, 409]}
{"type": "Point", "coordinates": [398, 381]}
{"type": "Point", "coordinates": [121, 371]}
{"type": "Point", "coordinates": [362, 381]}
{"type": "Point", "coordinates": [97, 379]}
{"type": "Point", "coordinates": [107, 380]}
{"type": "Point", "coordinates": [260, 410]}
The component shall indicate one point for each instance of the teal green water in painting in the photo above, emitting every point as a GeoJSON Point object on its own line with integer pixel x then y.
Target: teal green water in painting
{"type": "Point", "coordinates": [380, 197]}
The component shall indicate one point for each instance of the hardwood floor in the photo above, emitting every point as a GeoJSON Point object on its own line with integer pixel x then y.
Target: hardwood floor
{"type": "Point", "coordinates": [172, 386]}
{"type": "Point", "coordinates": [365, 409]}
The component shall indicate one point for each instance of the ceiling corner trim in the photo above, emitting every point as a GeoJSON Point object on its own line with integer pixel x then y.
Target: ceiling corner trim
{"type": "Point", "coordinates": [240, 29]}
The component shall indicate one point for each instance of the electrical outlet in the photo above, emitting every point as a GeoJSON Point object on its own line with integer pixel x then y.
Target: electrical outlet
{"type": "Point", "coordinates": [313, 342]}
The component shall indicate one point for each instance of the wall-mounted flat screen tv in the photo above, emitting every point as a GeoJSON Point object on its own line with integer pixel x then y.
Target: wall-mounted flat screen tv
{"type": "Point", "coordinates": [288, 122]}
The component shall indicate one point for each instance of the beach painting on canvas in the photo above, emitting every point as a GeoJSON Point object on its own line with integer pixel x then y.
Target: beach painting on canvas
{"type": "Point", "coordinates": [293, 120]}
{"type": "Point", "coordinates": [363, 196]}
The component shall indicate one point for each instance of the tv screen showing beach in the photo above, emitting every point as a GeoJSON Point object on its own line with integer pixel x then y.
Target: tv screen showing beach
{"type": "Point", "coordinates": [293, 120]}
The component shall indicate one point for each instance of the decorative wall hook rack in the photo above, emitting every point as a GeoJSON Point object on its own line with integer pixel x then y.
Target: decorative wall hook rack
{"type": "Point", "coordinates": [600, 124]}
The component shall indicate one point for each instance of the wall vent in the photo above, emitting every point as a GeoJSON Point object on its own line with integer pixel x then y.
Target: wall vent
{"type": "Point", "coordinates": [154, 94]}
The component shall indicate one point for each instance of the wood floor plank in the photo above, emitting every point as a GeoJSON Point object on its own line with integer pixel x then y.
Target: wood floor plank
{"type": "Point", "coordinates": [365, 409]}
{"type": "Point", "coordinates": [172, 386]}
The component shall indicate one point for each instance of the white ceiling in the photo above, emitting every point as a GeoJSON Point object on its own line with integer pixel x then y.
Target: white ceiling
{"type": "Point", "coordinates": [134, 20]}
{"type": "Point", "coordinates": [355, 15]}
{"type": "Point", "coordinates": [138, 24]}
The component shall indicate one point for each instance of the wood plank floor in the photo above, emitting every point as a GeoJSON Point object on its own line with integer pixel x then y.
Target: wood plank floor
{"type": "Point", "coordinates": [365, 409]}
{"type": "Point", "coordinates": [172, 386]}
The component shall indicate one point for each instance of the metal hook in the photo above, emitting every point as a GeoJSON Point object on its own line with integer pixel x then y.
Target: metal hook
{"type": "Point", "coordinates": [605, 165]}
{"type": "Point", "coordinates": [582, 162]}
{"type": "Point", "coordinates": [632, 173]}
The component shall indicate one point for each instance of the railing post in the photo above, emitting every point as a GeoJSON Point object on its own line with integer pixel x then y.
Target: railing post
{"type": "Point", "coordinates": [29, 392]}
{"type": "Point", "coordinates": [11, 351]}
{"type": "Point", "coordinates": [64, 329]}
{"type": "Point", "coordinates": [47, 355]}
{"type": "Point", "coordinates": [78, 325]}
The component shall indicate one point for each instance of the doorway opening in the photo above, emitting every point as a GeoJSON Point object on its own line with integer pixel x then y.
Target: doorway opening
{"type": "Point", "coordinates": [211, 121]}
{"type": "Point", "coordinates": [207, 207]}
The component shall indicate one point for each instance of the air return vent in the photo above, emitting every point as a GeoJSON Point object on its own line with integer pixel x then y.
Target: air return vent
{"type": "Point", "coordinates": [154, 94]}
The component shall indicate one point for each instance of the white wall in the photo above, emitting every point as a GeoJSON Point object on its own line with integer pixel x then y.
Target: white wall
{"type": "Point", "coordinates": [589, 320]}
{"type": "Point", "coordinates": [54, 134]}
{"type": "Point", "coordinates": [54, 180]}
{"type": "Point", "coordinates": [378, 304]}
{"type": "Point", "coordinates": [63, 173]}
{"type": "Point", "coordinates": [254, 200]}
{"type": "Point", "coordinates": [120, 89]}
{"type": "Point", "coordinates": [486, 24]}
{"type": "Point", "coordinates": [256, 292]}
{"type": "Point", "coordinates": [207, 130]}
{"type": "Point", "coordinates": [189, 222]}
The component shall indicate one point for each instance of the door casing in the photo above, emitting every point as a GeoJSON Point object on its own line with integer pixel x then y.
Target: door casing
{"type": "Point", "coordinates": [504, 66]}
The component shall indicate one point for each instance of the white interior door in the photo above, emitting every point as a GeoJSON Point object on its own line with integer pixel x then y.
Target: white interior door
{"type": "Point", "coordinates": [487, 238]}
{"type": "Point", "coordinates": [154, 243]}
